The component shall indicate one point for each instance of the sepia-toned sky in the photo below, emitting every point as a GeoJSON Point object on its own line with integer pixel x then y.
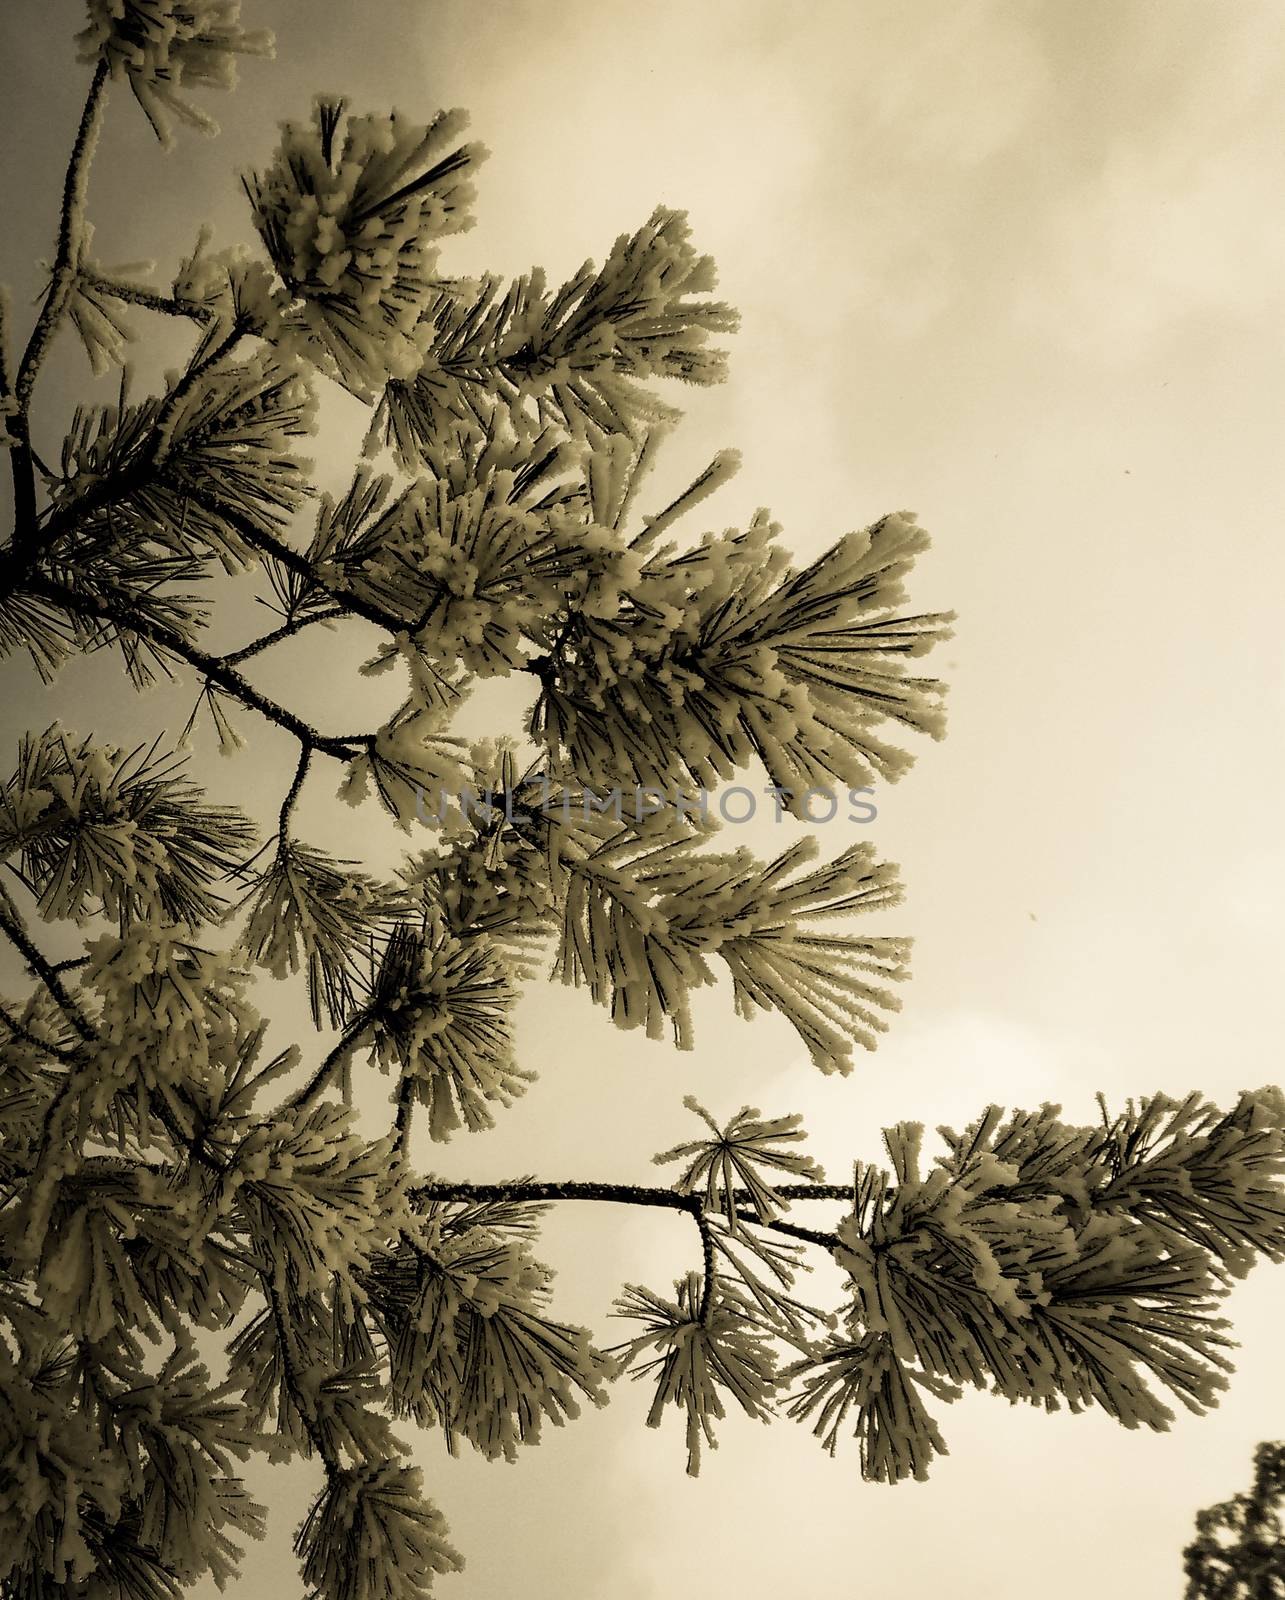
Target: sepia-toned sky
{"type": "Point", "coordinates": [1019, 266]}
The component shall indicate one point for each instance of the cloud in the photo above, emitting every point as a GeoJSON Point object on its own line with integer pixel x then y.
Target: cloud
{"type": "Point", "coordinates": [1163, 170]}
{"type": "Point", "coordinates": [1160, 239]}
{"type": "Point", "coordinates": [942, 1069]}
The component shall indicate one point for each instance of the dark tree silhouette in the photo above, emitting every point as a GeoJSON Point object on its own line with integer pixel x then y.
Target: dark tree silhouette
{"type": "Point", "coordinates": [1239, 1549]}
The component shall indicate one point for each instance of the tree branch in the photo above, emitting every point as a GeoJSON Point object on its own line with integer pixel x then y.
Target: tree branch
{"type": "Point", "coordinates": [69, 964]}
{"type": "Point", "coordinates": [321, 1077]}
{"type": "Point", "coordinates": [6, 383]}
{"type": "Point", "coordinates": [11, 924]}
{"type": "Point", "coordinates": [62, 277]}
{"type": "Point", "coordinates": [70, 226]}
{"type": "Point", "coordinates": [405, 1106]}
{"type": "Point", "coordinates": [805, 1191]}
{"type": "Point", "coordinates": [633, 1194]}
{"type": "Point", "coordinates": [287, 630]}
{"type": "Point", "coordinates": [296, 562]}
{"type": "Point", "coordinates": [20, 1030]}
{"type": "Point", "coordinates": [30, 537]}
{"type": "Point", "coordinates": [212, 668]}
{"type": "Point", "coordinates": [22, 470]}
{"type": "Point", "coordinates": [49, 821]}
{"type": "Point", "coordinates": [708, 1275]}
{"type": "Point", "coordinates": [135, 476]}
{"type": "Point", "coordinates": [293, 1381]}
{"type": "Point", "coordinates": [292, 793]}
{"type": "Point", "coordinates": [827, 1241]}
{"type": "Point", "coordinates": [630, 1194]}
{"type": "Point", "coordinates": [154, 455]}
{"type": "Point", "coordinates": [136, 295]}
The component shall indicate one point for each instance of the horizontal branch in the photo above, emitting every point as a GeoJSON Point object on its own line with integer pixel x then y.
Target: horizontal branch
{"type": "Point", "coordinates": [628, 1194]}
{"type": "Point", "coordinates": [135, 295]}
{"type": "Point", "coordinates": [636, 1194]}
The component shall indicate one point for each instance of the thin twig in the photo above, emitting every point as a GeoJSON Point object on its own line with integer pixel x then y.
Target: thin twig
{"type": "Point", "coordinates": [294, 1383]}
{"type": "Point", "coordinates": [70, 964]}
{"type": "Point", "coordinates": [635, 1194]}
{"type": "Point", "coordinates": [321, 1077]}
{"type": "Point", "coordinates": [20, 1030]}
{"type": "Point", "coordinates": [287, 630]}
{"type": "Point", "coordinates": [827, 1241]}
{"type": "Point", "coordinates": [708, 1276]}
{"type": "Point", "coordinates": [136, 295]}
{"type": "Point", "coordinates": [70, 225]}
{"type": "Point", "coordinates": [6, 387]}
{"type": "Point", "coordinates": [12, 925]}
{"type": "Point", "coordinates": [292, 793]}
{"type": "Point", "coordinates": [155, 456]}
{"type": "Point", "coordinates": [296, 562]}
{"type": "Point", "coordinates": [212, 668]}
{"type": "Point", "coordinates": [26, 533]}
{"type": "Point", "coordinates": [405, 1107]}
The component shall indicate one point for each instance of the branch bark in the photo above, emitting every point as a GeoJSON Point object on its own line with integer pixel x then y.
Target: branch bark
{"type": "Point", "coordinates": [12, 925]}
{"type": "Point", "coordinates": [63, 276]}
{"type": "Point", "coordinates": [214, 669]}
{"type": "Point", "coordinates": [635, 1194]}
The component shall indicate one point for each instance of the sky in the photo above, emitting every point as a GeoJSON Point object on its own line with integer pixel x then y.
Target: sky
{"type": "Point", "coordinates": [1016, 267]}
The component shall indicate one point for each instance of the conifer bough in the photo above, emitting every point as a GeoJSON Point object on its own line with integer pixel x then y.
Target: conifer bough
{"type": "Point", "coordinates": [1239, 1549]}
{"type": "Point", "coordinates": [169, 1171]}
